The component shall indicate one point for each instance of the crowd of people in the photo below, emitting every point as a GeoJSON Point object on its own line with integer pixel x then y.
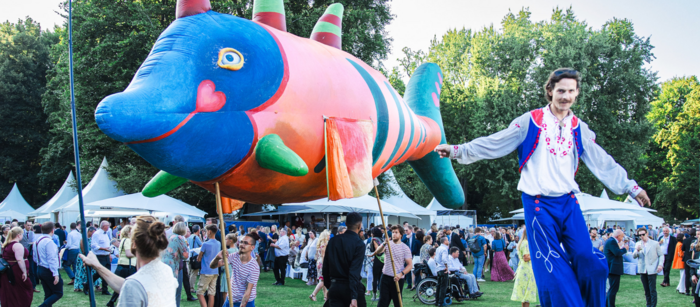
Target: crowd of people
{"type": "Point", "coordinates": [172, 258]}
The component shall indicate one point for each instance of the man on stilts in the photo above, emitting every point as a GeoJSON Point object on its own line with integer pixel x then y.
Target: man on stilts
{"type": "Point", "coordinates": [550, 141]}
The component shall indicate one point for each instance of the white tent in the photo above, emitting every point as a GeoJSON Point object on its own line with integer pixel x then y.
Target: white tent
{"type": "Point", "coordinates": [64, 194]}
{"type": "Point", "coordinates": [402, 201]}
{"type": "Point", "coordinates": [136, 204]}
{"type": "Point", "coordinates": [364, 203]}
{"type": "Point", "coordinates": [15, 202]}
{"type": "Point", "coordinates": [99, 188]}
{"type": "Point", "coordinates": [449, 220]}
{"type": "Point", "coordinates": [9, 215]}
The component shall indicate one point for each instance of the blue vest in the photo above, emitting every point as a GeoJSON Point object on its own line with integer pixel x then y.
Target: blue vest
{"type": "Point", "coordinates": [528, 146]}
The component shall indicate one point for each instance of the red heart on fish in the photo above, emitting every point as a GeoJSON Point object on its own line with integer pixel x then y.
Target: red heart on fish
{"type": "Point", "coordinates": [208, 100]}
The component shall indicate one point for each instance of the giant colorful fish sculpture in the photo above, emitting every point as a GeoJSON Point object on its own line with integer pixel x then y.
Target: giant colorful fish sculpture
{"type": "Point", "coordinates": [242, 103]}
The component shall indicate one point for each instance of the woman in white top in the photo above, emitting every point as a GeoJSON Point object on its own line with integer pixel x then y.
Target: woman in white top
{"type": "Point", "coordinates": [153, 285]}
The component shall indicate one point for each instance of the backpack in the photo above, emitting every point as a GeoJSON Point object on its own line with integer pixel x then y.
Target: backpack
{"type": "Point", "coordinates": [474, 246]}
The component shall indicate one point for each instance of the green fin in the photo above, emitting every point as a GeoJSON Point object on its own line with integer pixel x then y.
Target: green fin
{"type": "Point", "coordinates": [272, 154]}
{"type": "Point", "coordinates": [162, 183]}
{"type": "Point", "coordinates": [422, 96]}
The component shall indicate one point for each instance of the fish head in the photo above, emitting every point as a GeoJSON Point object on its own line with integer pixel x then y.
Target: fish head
{"type": "Point", "coordinates": [185, 109]}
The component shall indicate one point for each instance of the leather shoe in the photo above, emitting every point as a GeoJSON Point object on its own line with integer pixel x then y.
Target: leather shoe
{"type": "Point", "coordinates": [191, 299]}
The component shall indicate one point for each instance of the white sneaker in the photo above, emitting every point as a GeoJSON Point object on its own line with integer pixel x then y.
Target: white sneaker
{"type": "Point", "coordinates": [480, 279]}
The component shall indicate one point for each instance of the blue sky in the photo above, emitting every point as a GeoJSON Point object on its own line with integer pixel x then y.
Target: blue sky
{"type": "Point", "coordinates": [673, 25]}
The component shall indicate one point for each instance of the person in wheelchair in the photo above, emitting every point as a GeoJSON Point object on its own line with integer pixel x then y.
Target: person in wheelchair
{"type": "Point", "coordinates": [455, 267]}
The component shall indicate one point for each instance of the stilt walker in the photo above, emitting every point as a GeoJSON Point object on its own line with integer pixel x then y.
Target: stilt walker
{"type": "Point", "coordinates": [550, 141]}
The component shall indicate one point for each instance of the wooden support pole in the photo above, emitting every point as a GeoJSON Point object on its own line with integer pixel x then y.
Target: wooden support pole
{"type": "Point", "coordinates": [388, 245]}
{"type": "Point", "coordinates": [224, 251]}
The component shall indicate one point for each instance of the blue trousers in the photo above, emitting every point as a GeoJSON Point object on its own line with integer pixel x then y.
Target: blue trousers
{"type": "Point", "coordinates": [478, 266]}
{"type": "Point", "coordinates": [238, 304]}
{"type": "Point", "coordinates": [69, 265]}
{"type": "Point", "coordinates": [575, 275]}
{"type": "Point", "coordinates": [52, 293]}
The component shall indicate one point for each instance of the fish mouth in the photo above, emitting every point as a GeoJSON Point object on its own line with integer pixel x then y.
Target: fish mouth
{"type": "Point", "coordinates": [208, 100]}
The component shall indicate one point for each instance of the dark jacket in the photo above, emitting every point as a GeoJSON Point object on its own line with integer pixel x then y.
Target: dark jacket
{"type": "Point", "coordinates": [671, 245]}
{"type": "Point", "coordinates": [456, 241]}
{"type": "Point", "coordinates": [613, 254]}
{"type": "Point", "coordinates": [686, 247]}
{"type": "Point", "coordinates": [415, 247]}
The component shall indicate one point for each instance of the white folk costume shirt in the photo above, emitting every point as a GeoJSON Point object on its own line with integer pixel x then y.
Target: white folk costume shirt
{"type": "Point", "coordinates": [551, 168]}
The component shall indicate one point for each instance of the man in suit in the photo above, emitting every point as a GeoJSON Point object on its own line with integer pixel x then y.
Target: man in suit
{"type": "Point", "coordinates": [456, 241]}
{"type": "Point", "coordinates": [615, 247]}
{"type": "Point", "coordinates": [650, 261]}
{"type": "Point", "coordinates": [409, 238]}
{"type": "Point", "coordinates": [687, 253]}
{"type": "Point", "coordinates": [668, 248]}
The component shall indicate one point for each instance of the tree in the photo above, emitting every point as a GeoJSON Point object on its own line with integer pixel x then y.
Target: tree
{"type": "Point", "coordinates": [112, 38]}
{"type": "Point", "coordinates": [492, 76]}
{"type": "Point", "coordinates": [672, 171]}
{"type": "Point", "coordinates": [24, 60]}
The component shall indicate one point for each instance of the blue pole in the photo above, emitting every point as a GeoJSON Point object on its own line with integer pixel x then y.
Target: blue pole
{"type": "Point", "coordinates": [77, 153]}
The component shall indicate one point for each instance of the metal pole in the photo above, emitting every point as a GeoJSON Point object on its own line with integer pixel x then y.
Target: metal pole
{"type": "Point", "coordinates": [388, 246]}
{"type": "Point", "coordinates": [224, 251]}
{"type": "Point", "coordinates": [76, 151]}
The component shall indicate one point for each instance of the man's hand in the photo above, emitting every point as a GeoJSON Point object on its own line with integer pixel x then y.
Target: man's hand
{"type": "Point", "coordinates": [90, 260]}
{"type": "Point", "coordinates": [659, 269]}
{"type": "Point", "coordinates": [444, 150]}
{"type": "Point", "coordinates": [353, 303]}
{"type": "Point", "coordinates": [55, 280]}
{"type": "Point", "coordinates": [643, 199]}
{"type": "Point", "coordinates": [695, 279]}
{"type": "Point", "coordinates": [396, 277]}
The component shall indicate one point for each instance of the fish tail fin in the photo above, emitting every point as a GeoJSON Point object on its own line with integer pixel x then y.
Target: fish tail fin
{"type": "Point", "coordinates": [423, 96]}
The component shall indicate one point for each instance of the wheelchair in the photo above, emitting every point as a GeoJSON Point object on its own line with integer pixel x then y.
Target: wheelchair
{"type": "Point", "coordinates": [427, 288]}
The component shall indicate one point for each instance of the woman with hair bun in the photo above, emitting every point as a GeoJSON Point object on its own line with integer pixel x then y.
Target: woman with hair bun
{"type": "Point", "coordinates": [153, 284]}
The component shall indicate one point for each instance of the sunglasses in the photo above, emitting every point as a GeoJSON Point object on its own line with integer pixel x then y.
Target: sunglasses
{"type": "Point", "coordinates": [565, 71]}
{"type": "Point", "coordinates": [243, 242]}
{"type": "Point", "coordinates": [642, 234]}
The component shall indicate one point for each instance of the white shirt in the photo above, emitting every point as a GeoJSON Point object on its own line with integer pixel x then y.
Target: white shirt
{"type": "Point", "coordinates": [664, 245]}
{"type": "Point", "coordinates": [312, 249]}
{"type": "Point", "coordinates": [433, 266]}
{"type": "Point", "coordinates": [441, 256]}
{"type": "Point", "coordinates": [100, 239]}
{"type": "Point", "coordinates": [551, 169]}
{"type": "Point", "coordinates": [453, 264]}
{"type": "Point", "coordinates": [73, 240]}
{"type": "Point", "coordinates": [283, 249]}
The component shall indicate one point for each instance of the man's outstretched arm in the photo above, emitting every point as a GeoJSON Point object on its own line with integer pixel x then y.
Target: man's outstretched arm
{"type": "Point", "coordinates": [489, 147]}
{"type": "Point", "coordinates": [604, 167]}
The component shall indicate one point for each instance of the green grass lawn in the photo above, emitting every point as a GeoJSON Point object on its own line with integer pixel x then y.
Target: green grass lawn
{"type": "Point", "coordinates": [296, 294]}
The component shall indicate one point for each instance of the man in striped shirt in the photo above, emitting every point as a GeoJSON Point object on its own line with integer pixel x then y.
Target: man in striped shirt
{"type": "Point", "coordinates": [245, 272]}
{"type": "Point", "coordinates": [403, 263]}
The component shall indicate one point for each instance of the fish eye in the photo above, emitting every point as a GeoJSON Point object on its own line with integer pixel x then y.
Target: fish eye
{"type": "Point", "coordinates": [230, 59]}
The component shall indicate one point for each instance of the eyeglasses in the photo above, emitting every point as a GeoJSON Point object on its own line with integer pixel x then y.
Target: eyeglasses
{"type": "Point", "coordinates": [565, 71]}
{"type": "Point", "coordinates": [244, 243]}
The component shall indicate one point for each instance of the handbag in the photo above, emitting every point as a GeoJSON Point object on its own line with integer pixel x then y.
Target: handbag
{"type": "Point", "coordinates": [4, 265]}
{"type": "Point", "coordinates": [194, 264]}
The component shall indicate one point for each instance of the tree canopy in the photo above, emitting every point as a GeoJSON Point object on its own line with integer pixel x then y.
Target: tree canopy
{"type": "Point", "coordinates": [24, 60]}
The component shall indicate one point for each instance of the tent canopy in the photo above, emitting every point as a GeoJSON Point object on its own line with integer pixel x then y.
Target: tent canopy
{"type": "Point", "coordinates": [363, 204]}
{"type": "Point", "coordinates": [401, 200]}
{"type": "Point", "coordinates": [436, 206]}
{"type": "Point", "coordinates": [137, 201]}
{"type": "Point", "coordinates": [9, 215]}
{"type": "Point", "coordinates": [15, 202]}
{"type": "Point", "coordinates": [64, 194]}
{"type": "Point", "coordinates": [99, 188]}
